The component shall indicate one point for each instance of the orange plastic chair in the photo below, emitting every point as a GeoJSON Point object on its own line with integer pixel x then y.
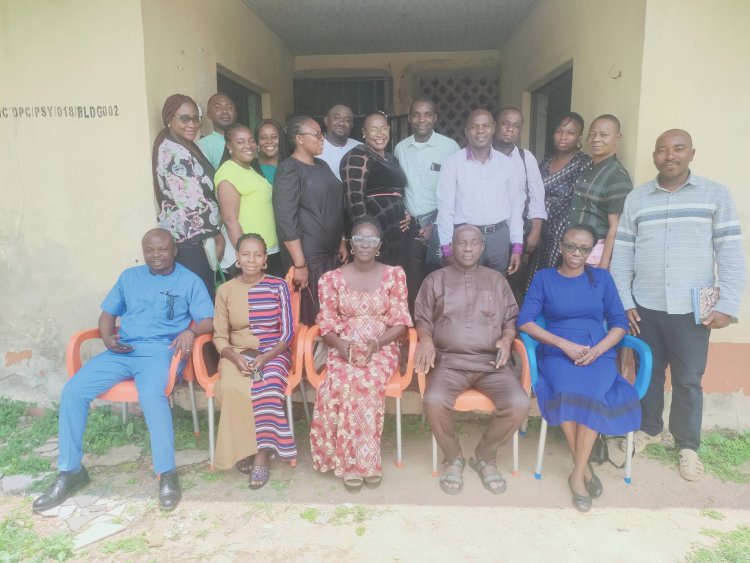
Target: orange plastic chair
{"type": "Point", "coordinates": [395, 387]}
{"type": "Point", "coordinates": [208, 381]}
{"type": "Point", "coordinates": [473, 400]}
{"type": "Point", "coordinates": [124, 392]}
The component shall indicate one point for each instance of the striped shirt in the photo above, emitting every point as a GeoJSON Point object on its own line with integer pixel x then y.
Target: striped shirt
{"type": "Point", "coordinates": [670, 242]}
{"type": "Point", "coordinates": [600, 191]}
{"type": "Point", "coordinates": [270, 312]}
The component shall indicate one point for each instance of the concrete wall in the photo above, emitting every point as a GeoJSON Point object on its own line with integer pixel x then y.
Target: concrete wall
{"type": "Point", "coordinates": [186, 39]}
{"type": "Point", "coordinates": [404, 68]}
{"type": "Point", "coordinates": [76, 187]}
{"type": "Point", "coordinates": [604, 43]}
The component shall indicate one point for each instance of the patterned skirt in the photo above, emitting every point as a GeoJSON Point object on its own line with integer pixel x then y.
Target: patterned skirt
{"type": "Point", "coordinates": [271, 424]}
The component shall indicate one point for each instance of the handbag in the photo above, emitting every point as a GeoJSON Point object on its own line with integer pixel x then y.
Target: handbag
{"type": "Point", "coordinates": [600, 451]}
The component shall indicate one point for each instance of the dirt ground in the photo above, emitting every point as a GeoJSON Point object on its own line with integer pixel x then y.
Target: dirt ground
{"type": "Point", "coordinates": [304, 516]}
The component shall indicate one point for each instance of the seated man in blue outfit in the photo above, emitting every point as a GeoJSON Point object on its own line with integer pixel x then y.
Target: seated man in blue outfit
{"type": "Point", "coordinates": [155, 303]}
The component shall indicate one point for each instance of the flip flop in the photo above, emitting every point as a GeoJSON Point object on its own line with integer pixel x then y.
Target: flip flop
{"type": "Point", "coordinates": [373, 481]}
{"type": "Point", "coordinates": [353, 484]}
{"type": "Point", "coordinates": [488, 478]}
{"type": "Point", "coordinates": [452, 477]}
{"type": "Point", "coordinates": [259, 473]}
{"type": "Point", "coordinates": [245, 465]}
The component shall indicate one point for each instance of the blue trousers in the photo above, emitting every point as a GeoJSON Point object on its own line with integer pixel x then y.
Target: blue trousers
{"type": "Point", "coordinates": [150, 371]}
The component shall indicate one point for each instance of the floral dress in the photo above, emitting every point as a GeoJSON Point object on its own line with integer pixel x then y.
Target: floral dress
{"type": "Point", "coordinates": [350, 405]}
{"type": "Point", "coordinates": [188, 205]}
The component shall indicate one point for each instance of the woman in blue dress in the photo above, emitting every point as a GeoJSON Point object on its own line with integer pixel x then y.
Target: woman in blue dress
{"type": "Point", "coordinates": [578, 387]}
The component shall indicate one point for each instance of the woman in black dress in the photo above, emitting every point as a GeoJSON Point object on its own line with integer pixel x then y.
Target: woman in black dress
{"type": "Point", "coordinates": [308, 205]}
{"type": "Point", "coordinates": [374, 185]}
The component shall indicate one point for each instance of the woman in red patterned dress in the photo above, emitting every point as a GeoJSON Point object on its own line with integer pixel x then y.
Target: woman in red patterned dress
{"type": "Point", "coordinates": [363, 313]}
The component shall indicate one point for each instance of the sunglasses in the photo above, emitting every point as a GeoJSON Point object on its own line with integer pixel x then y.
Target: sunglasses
{"type": "Point", "coordinates": [169, 300]}
{"type": "Point", "coordinates": [359, 240]}
{"type": "Point", "coordinates": [185, 118]}
{"type": "Point", "coordinates": [571, 249]}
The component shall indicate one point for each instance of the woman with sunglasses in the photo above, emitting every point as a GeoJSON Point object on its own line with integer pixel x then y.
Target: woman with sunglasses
{"type": "Point", "coordinates": [184, 189]}
{"type": "Point", "coordinates": [308, 204]}
{"type": "Point", "coordinates": [374, 185]}
{"type": "Point", "coordinates": [578, 387]}
{"type": "Point", "coordinates": [252, 333]}
{"type": "Point", "coordinates": [363, 312]}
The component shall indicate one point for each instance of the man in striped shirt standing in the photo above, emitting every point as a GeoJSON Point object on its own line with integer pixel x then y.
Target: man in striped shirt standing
{"type": "Point", "coordinates": [675, 233]}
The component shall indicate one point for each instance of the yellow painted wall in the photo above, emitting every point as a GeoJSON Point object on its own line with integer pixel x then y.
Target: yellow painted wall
{"type": "Point", "coordinates": [76, 194]}
{"type": "Point", "coordinates": [696, 76]}
{"type": "Point", "coordinates": [186, 39]}
{"type": "Point", "coordinates": [602, 39]}
{"type": "Point", "coordinates": [404, 68]}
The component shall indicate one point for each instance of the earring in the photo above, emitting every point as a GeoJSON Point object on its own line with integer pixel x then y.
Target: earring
{"type": "Point", "coordinates": [230, 153]}
{"type": "Point", "coordinates": [352, 252]}
{"type": "Point", "coordinates": [265, 266]}
{"type": "Point", "coordinates": [377, 253]}
{"type": "Point", "coordinates": [237, 263]}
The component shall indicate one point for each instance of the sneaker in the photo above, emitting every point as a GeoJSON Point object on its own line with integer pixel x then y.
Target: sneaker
{"type": "Point", "coordinates": [667, 440]}
{"type": "Point", "coordinates": [691, 466]}
{"type": "Point", "coordinates": [640, 441]}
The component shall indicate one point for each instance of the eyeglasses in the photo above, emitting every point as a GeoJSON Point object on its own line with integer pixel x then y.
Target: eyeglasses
{"type": "Point", "coordinates": [359, 240]}
{"type": "Point", "coordinates": [316, 134]}
{"type": "Point", "coordinates": [185, 118]}
{"type": "Point", "coordinates": [169, 299]}
{"type": "Point", "coordinates": [571, 249]}
{"type": "Point", "coordinates": [469, 243]}
{"type": "Point", "coordinates": [383, 130]}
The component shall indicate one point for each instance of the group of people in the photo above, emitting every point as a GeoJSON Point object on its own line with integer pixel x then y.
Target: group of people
{"type": "Point", "coordinates": [444, 238]}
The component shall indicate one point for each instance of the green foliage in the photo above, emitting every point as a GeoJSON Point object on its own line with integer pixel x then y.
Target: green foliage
{"type": "Point", "coordinates": [725, 455]}
{"type": "Point", "coordinates": [133, 544]}
{"type": "Point", "coordinates": [713, 514]}
{"type": "Point", "coordinates": [360, 530]}
{"type": "Point", "coordinates": [19, 541]}
{"type": "Point", "coordinates": [351, 514]}
{"type": "Point", "coordinates": [21, 436]}
{"type": "Point", "coordinates": [732, 547]}
{"type": "Point", "coordinates": [309, 514]}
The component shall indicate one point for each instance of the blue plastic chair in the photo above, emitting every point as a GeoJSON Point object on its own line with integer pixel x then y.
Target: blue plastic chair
{"type": "Point", "coordinates": [642, 380]}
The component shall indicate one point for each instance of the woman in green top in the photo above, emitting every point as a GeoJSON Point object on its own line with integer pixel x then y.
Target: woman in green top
{"type": "Point", "coordinates": [271, 148]}
{"type": "Point", "coordinates": [245, 195]}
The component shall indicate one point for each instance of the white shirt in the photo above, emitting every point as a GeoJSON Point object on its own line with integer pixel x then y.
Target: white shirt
{"type": "Point", "coordinates": [332, 154]}
{"type": "Point", "coordinates": [478, 193]}
{"type": "Point", "coordinates": [537, 209]}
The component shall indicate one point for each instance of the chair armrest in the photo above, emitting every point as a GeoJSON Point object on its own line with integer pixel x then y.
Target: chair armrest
{"type": "Point", "coordinates": [73, 352]}
{"type": "Point", "coordinates": [174, 365]}
{"type": "Point", "coordinates": [520, 348]}
{"type": "Point", "coordinates": [199, 365]}
{"type": "Point", "coordinates": [298, 359]}
{"type": "Point", "coordinates": [531, 347]}
{"type": "Point", "coordinates": [313, 377]}
{"type": "Point", "coordinates": [408, 372]}
{"type": "Point", "coordinates": [645, 360]}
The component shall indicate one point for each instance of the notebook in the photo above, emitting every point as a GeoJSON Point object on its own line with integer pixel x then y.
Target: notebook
{"type": "Point", "coordinates": [704, 301]}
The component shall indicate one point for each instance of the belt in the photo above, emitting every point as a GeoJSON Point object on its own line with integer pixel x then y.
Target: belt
{"type": "Point", "coordinates": [487, 229]}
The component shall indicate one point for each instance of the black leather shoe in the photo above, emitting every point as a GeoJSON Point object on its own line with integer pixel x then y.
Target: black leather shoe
{"type": "Point", "coordinates": [64, 486]}
{"type": "Point", "coordinates": [594, 487]}
{"type": "Point", "coordinates": [581, 503]}
{"type": "Point", "coordinates": [169, 491]}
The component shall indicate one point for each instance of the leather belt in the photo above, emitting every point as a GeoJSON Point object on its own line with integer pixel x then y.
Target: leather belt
{"type": "Point", "coordinates": [487, 229]}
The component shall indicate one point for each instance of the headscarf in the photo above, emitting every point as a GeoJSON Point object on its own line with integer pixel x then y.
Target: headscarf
{"type": "Point", "coordinates": [171, 105]}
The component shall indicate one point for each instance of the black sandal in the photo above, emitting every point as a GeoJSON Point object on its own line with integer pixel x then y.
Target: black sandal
{"type": "Point", "coordinates": [245, 465]}
{"type": "Point", "coordinates": [456, 479]}
{"type": "Point", "coordinates": [490, 477]}
{"type": "Point", "coordinates": [259, 473]}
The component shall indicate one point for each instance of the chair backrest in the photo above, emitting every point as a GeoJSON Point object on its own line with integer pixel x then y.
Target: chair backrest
{"type": "Point", "coordinates": [205, 376]}
{"type": "Point", "coordinates": [297, 347]}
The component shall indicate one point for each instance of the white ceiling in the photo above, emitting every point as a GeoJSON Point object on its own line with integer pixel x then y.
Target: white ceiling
{"type": "Point", "coordinates": [326, 27]}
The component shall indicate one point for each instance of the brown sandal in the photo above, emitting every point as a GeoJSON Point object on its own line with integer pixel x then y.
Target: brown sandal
{"type": "Point", "coordinates": [245, 466]}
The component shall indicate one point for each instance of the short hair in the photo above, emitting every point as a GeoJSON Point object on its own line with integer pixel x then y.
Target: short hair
{"type": "Point", "coordinates": [571, 116]}
{"type": "Point", "coordinates": [481, 234]}
{"type": "Point", "coordinates": [294, 127]}
{"type": "Point", "coordinates": [251, 236]}
{"type": "Point", "coordinates": [594, 236]}
{"type": "Point", "coordinates": [367, 220]}
{"type": "Point", "coordinates": [283, 147]}
{"type": "Point", "coordinates": [208, 103]}
{"type": "Point", "coordinates": [342, 104]}
{"type": "Point", "coordinates": [609, 117]}
{"type": "Point", "coordinates": [509, 108]}
{"type": "Point", "coordinates": [422, 100]}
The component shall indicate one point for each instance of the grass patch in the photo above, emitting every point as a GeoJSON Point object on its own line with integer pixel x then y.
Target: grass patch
{"type": "Point", "coordinates": [134, 544]}
{"type": "Point", "coordinates": [309, 514]}
{"type": "Point", "coordinates": [411, 427]}
{"type": "Point", "coordinates": [713, 514]}
{"type": "Point", "coordinates": [19, 541]}
{"type": "Point", "coordinates": [725, 455]}
{"type": "Point", "coordinates": [360, 530]}
{"type": "Point", "coordinates": [212, 476]}
{"type": "Point", "coordinates": [731, 547]}
{"type": "Point", "coordinates": [21, 436]}
{"type": "Point", "coordinates": [351, 514]}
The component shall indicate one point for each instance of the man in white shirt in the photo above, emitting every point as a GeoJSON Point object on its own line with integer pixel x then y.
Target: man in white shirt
{"type": "Point", "coordinates": [421, 156]}
{"type": "Point", "coordinates": [478, 186]}
{"type": "Point", "coordinates": [339, 122]}
{"type": "Point", "coordinates": [508, 127]}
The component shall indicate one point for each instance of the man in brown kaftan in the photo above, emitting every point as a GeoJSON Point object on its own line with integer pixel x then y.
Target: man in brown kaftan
{"type": "Point", "coordinates": [465, 316]}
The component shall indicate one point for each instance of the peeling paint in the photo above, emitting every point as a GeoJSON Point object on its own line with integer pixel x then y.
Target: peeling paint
{"type": "Point", "coordinates": [12, 358]}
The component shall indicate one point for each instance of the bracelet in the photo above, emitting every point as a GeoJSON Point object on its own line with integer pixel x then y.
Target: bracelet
{"type": "Point", "coordinates": [516, 248]}
{"type": "Point", "coordinates": [191, 330]}
{"type": "Point", "coordinates": [446, 250]}
{"type": "Point", "coordinates": [300, 267]}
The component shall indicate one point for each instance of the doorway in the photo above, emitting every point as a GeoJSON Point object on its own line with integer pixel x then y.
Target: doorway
{"type": "Point", "coordinates": [548, 104]}
{"type": "Point", "coordinates": [248, 103]}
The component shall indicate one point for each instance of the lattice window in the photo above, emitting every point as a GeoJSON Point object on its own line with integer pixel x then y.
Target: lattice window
{"type": "Point", "coordinates": [457, 96]}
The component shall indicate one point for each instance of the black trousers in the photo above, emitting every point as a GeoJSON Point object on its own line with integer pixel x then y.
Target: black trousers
{"type": "Point", "coordinates": [675, 341]}
{"type": "Point", "coordinates": [415, 262]}
{"type": "Point", "coordinates": [192, 255]}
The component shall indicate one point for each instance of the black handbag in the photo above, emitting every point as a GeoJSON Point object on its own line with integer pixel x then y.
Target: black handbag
{"type": "Point", "coordinates": [600, 451]}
